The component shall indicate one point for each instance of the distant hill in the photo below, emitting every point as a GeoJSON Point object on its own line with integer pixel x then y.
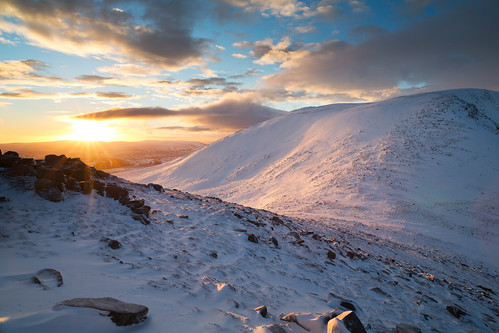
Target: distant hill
{"type": "Point", "coordinates": [109, 155]}
{"type": "Point", "coordinates": [426, 163]}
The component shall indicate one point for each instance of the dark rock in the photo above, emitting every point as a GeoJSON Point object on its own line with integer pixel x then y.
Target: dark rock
{"type": "Point", "coordinates": [252, 238]}
{"type": "Point", "coordinates": [53, 174]}
{"type": "Point", "coordinates": [276, 220]}
{"type": "Point", "coordinates": [121, 313]}
{"type": "Point", "coordinates": [4, 199]}
{"type": "Point", "coordinates": [156, 187]}
{"type": "Point", "coordinates": [331, 255]}
{"type": "Point", "coordinates": [114, 244]}
{"type": "Point", "coordinates": [275, 328]}
{"type": "Point", "coordinates": [213, 254]}
{"type": "Point", "coordinates": [45, 276]}
{"type": "Point", "coordinates": [116, 192]}
{"type": "Point", "coordinates": [141, 218]}
{"type": "Point", "coordinates": [406, 328]}
{"type": "Point", "coordinates": [262, 310]}
{"type": "Point", "coordinates": [350, 320]}
{"type": "Point", "coordinates": [102, 174]}
{"type": "Point", "coordinates": [8, 161]}
{"type": "Point", "coordinates": [134, 204]}
{"type": "Point", "coordinates": [99, 187]}
{"type": "Point", "coordinates": [274, 241]}
{"type": "Point", "coordinates": [80, 171]}
{"type": "Point", "coordinates": [55, 161]}
{"type": "Point", "coordinates": [27, 161]}
{"type": "Point", "coordinates": [11, 153]}
{"type": "Point", "coordinates": [455, 311]}
{"type": "Point", "coordinates": [348, 305]}
{"type": "Point", "coordinates": [48, 190]}
{"type": "Point", "coordinates": [182, 216]}
{"type": "Point", "coordinates": [86, 186]}
{"type": "Point", "coordinates": [294, 234]}
{"type": "Point", "coordinates": [380, 291]}
{"type": "Point", "coordinates": [144, 210]}
{"type": "Point", "coordinates": [22, 170]}
{"type": "Point", "coordinates": [239, 216]}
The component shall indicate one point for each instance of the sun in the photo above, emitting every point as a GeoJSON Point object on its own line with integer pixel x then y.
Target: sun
{"type": "Point", "coordinates": [90, 130]}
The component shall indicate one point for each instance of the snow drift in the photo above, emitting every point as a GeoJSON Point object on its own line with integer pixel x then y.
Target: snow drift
{"type": "Point", "coordinates": [426, 164]}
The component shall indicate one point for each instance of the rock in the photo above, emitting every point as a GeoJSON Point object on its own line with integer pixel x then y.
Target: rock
{"type": "Point", "coordinates": [19, 169]}
{"type": "Point", "coordinates": [156, 187]}
{"type": "Point", "coordinates": [4, 199]}
{"type": "Point", "coordinates": [455, 311]}
{"type": "Point", "coordinates": [252, 238]}
{"type": "Point", "coordinates": [182, 216]}
{"type": "Point", "coordinates": [406, 328]}
{"type": "Point", "coordinates": [349, 320]}
{"type": "Point", "coordinates": [142, 219]}
{"type": "Point", "coordinates": [8, 161]}
{"type": "Point", "coordinates": [102, 174]}
{"type": "Point", "coordinates": [85, 186]}
{"type": "Point", "coordinates": [11, 153]}
{"type": "Point", "coordinates": [294, 234]}
{"type": "Point", "coordinates": [114, 244]}
{"type": "Point", "coordinates": [348, 305]}
{"type": "Point", "coordinates": [80, 171]}
{"type": "Point", "coordinates": [121, 313]}
{"type": "Point", "coordinates": [116, 192]}
{"type": "Point", "coordinates": [336, 326]}
{"type": "Point", "coordinates": [48, 190]}
{"type": "Point", "coordinates": [276, 220]}
{"type": "Point", "coordinates": [274, 241]}
{"type": "Point", "coordinates": [134, 204]}
{"type": "Point", "coordinates": [53, 174]}
{"type": "Point", "coordinates": [55, 161]}
{"type": "Point", "coordinates": [331, 255]}
{"type": "Point", "coordinates": [380, 291]}
{"type": "Point", "coordinates": [27, 161]}
{"type": "Point", "coordinates": [213, 254]}
{"type": "Point", "coordinates": [144, 210]}
{"type": "Point", "coordinates": [262, 310]}
{"type": "Point", "coordinates": [45, 276]}
{"type": "Point", "coordinates": [275, 328]}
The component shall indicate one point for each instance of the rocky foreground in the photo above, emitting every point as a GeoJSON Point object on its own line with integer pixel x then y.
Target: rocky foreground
{"type": "Point", "coordinates": [78, 242]}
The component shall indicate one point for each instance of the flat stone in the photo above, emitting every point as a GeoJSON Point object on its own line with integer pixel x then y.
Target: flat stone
{"type": "Point", "coordinates": [121, 313]}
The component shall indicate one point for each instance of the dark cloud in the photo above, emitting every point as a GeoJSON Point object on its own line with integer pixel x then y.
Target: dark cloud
{"type": "Point", "coordinates": [455, 50]}
{"type": "Point", "coordinates": [226, 114]}
{"type": "Point", "coordinates": [160, 33]}
{"type": "Point", "coordinates": [365, 32]}
{"type": "Point", "coordinates": [110, 95]}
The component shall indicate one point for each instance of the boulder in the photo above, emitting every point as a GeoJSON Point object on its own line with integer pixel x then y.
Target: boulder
{"type": "Point", "coordinates": [116, 192]}
{"type": "Point", "coordinates": [53, 174]}
{"type": "Point", "coordinates": [114, 244]}
{"type": "Point", "coordinates": [11, 153]}
{"type": "Point", "coordinates": [406, 328]}
{"type": "Point", "coordinates": [55, 161]}
{"type": "Point", "coordinates": [455, 311]}
{"type": "Point", "coordinates": [252, 238]}
{"type": "Point", "coordinates": [262, 311]}
{"type": "Point", "coordinates": [156, 187]}
{"type": "Point", "coordinates": [331, 255]}
{"type": "Point", "coordinates": [144, 210]}
{"type": "Point", "coordinates": [274, 241]}
{"type": "Point", "coordinates": [121, 313]}
{"type": "Point", "coordinates": [349, 320]}
{"type": "Point", "coordinates": [134, 204]}
{"type": "Point", "coordinates": [7, 161]}
{"type": "Point", "coordinates": [80, 171]}
{"type": "Point", "coordinates": [48, 277]}
{"type": "Point", "coordinates": [48, 190]}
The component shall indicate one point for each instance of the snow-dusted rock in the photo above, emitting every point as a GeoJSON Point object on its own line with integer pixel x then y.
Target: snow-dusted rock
{"type": "Point", "coordinates": [121, 313]}
{"type": "Point", "coordinates": [48, 277]}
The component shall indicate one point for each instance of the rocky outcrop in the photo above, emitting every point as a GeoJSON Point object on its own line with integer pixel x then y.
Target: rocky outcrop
{"type": "Point", "coordinates": [57, 174]}
{"type": "Point", "coordinates": [121, 313]}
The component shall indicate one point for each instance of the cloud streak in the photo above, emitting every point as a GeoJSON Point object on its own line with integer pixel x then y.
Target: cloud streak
{"type": "Point", "coordinates": [227, 114]}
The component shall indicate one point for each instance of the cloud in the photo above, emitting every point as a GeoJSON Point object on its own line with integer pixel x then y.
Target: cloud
{"type": "Point", "coordinates": [28, 72]}
{"type": "Point", "coordinates": [186, 128]}
{"type": "Point", "coordinates": [226, 114]}
{"type": "Point", "coordinates": [455, 50]}
{"type": "Point", "coordinates": [158, 33]}
{"type": "Point", "coordinates": [33, 94]}
{"type": "Point", "coordinates": [305, 29]}
{"type": "Point", "coordinates": [239, 56]}
{"type": "Point", "coordinates": [364, 32]}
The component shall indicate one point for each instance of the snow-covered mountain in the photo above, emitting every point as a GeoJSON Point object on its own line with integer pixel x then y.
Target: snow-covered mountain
{"type": "Point", "coordinates": [201, 264]}
{"type": "Point", "coordinates": [423, 164]}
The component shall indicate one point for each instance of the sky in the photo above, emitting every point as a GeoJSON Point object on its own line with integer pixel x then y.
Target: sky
{"type": "Point", "coordinates": [114, 70]}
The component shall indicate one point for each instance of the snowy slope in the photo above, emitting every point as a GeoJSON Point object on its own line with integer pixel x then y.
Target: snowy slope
{"type": "Point", "coordinates": [424, 164]}
{"type": "Point", "coordinates": [196, 270]}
